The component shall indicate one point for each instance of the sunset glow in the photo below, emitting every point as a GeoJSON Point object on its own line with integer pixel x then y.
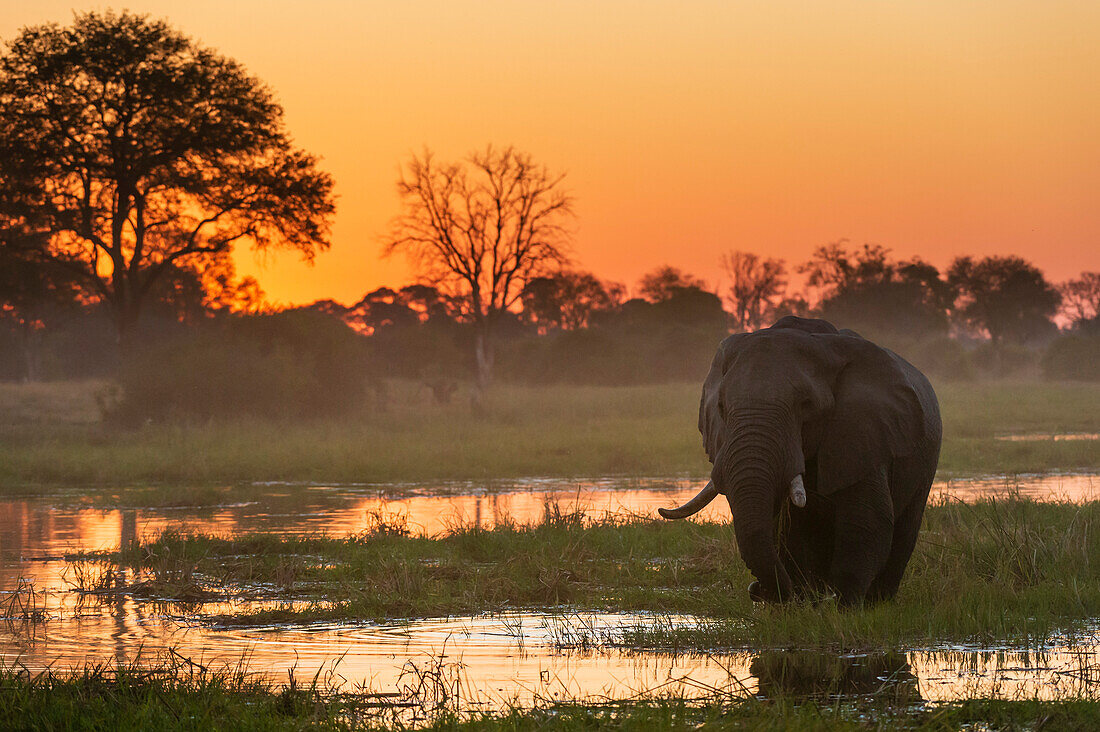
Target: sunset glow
{"type": "Point", "coordinates": [932, 128]}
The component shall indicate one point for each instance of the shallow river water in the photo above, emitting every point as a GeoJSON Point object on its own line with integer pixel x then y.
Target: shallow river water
{"type": "Point", "coordinates": [472, 661]}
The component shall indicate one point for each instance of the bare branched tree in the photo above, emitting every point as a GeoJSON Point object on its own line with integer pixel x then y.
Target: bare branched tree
{"type": "Point", "coordinates": [480, 230]}
{"type": "Point", "coordinates": [1081, 297]}
{"type": "Point", "coordinates": [756, 284]}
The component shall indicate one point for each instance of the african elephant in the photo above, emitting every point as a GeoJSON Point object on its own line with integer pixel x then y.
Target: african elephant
{"type": "Point", "coordinates": [825, 446]}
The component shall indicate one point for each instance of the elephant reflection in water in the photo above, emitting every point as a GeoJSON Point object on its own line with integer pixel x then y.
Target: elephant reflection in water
{"type": "Point", "coordinates": [825, 446]}
{"type": "Point", "coordinates": [821, 675]}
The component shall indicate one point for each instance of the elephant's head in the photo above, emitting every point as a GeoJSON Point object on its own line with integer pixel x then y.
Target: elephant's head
{"type": "Point", "coordinates": [799, 394]}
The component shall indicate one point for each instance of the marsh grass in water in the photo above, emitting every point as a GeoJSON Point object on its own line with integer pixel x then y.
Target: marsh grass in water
{"type": "Point", "coordinates": [50, 437]}
{"type": "Point", "coordinates": [996, 571]}
{"type": "Point", "coordinates": [181, 694]}
{"type": "Point", "coordinates": [174, 692]}
{"type": "Point", "coordinates": [24, 603]}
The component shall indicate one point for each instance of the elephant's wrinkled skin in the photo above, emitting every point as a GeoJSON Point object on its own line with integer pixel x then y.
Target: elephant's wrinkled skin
{"type": "Point", "coordinates": [802, 404]}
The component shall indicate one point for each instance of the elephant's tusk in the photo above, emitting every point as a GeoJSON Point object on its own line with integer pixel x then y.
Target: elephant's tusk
{"type": "Point", "coordinates": [695, 505]}
{"type": "Point", "coordinates": [798, 491]}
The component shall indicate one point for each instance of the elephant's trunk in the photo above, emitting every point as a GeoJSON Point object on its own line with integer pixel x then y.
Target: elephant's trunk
{"type": "Point", "coordinates": [756, 469]}
{"type": "Point", "coordinates": [756, 542]}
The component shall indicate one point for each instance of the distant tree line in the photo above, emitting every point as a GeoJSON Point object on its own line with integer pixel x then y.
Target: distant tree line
{"type": "Point", "coordinates": [993, 315]}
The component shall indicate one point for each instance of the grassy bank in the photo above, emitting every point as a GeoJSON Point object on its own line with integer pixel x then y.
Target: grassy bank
{"type": "Point", "coordinates": [51, 435]}
{"type": "Point", "coordinates": [999, 570]}
{"type": "Point", "coordinates": [179, 696]}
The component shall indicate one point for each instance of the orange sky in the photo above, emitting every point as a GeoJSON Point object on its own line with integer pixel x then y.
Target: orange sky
{"type": "Point", "coordinates": [933, 127]}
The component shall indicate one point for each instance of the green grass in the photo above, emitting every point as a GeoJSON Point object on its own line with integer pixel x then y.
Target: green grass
{"type": "Point", "coordinates": [180, 695]}
{"type": "Point", "coordinates": [173, 694]}
{"type": "Point", "coordinates": [50, 436]}
{"type": "Point", "coordinates": [785, 714]}
{"type": "Point", "coordinates": [996, 571]}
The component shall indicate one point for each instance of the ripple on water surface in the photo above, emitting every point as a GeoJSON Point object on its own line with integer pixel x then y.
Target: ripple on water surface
{"type": "Point", "coordinates": [37, 526]}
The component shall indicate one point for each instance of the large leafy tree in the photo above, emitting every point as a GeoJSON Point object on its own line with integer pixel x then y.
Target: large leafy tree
{"type": "Point", "coordinates": [127, 151]}
{"type": "Point", "coordinates": [1007, 297]}
{"type": "Point", "coordinates": [879, 296]}
{"type": "Point", "coordinates": [568, 299]}
{"type": "Point", "coordinates": [665, 282]}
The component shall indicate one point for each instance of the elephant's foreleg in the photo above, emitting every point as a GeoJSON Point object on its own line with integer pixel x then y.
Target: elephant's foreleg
{"type": "Point", "coordinates": [906, 529]}
{"type": "Point", "coordinates": [886, 584]}
{"type": "Point", "coordinates": [863, 536]}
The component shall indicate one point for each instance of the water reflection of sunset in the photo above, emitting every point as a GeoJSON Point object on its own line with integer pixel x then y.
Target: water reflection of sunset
{"type": "Point", "coordinates": [35, 528]}
{"type": "Point", "coordinates": [495, 659]}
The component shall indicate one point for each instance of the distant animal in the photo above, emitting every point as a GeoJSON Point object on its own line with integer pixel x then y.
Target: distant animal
{"type": "Point", "coordinates": [825, 446]}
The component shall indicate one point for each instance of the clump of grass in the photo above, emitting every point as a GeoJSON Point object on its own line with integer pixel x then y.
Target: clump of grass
{"type": "Point", "coordinates": [25, 603]}
{"type": "Point", "coordinates": [158, 576]}
{"type": "Point", "coordinates": [91, 575]}
{"type": "Point", "coordinates": [386, 523]}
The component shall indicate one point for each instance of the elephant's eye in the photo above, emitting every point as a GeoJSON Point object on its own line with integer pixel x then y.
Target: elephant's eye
{"type": "Point", "coordinates": [810, 405]}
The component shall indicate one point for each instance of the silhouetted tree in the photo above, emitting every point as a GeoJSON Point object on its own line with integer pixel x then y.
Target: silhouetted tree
{"type": "Point", "coordinates": [191, 290]}
{"type": "Point", "coordinates": [126, 150]}
{"type": "Point", "coordinates": [1007, 297]}
{"type": "Point", "coordinates": [865, 289]}
{"type": "Point", "coordinates": [792, 305]}
{"type": "Point", "coordinates": [663, 282]}
{"type": "Point", "coordinates": [427, 302]}
{"type": "Point", "coordinates": [176, 296]}
{"type": "Point", "coordinates": [1081, 298]}
{"type": "Point", "coordinates": [327, 307]}
{"type": "Point", "coordinates": [833, 267]}
{"type": "Point", "coordinates": [756, 284]}
{"type": "Point", "coordinates": [683, 308]}
{"type": "Point", "coordinates": [480, 230]}
{"type": "Point", "coordinates": [223, 291]}
{"type": "Point", "coordinates": [381, 308]}
{"type": "Point", "coordinates": [567, 299]}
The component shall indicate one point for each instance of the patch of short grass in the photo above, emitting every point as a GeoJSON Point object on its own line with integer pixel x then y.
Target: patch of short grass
{"type": "Point", "coordinates": [49, 437]}
{"type": "Point", "coordinates": [996, 571]}
{"type": "Point", "coordinates": [51, 402]}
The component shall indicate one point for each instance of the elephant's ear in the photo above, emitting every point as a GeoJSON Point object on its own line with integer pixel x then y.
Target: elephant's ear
{"type": "Point", "coordinates": [877, 415]}
{"type": "Point", "coordinates": [712, 413]}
